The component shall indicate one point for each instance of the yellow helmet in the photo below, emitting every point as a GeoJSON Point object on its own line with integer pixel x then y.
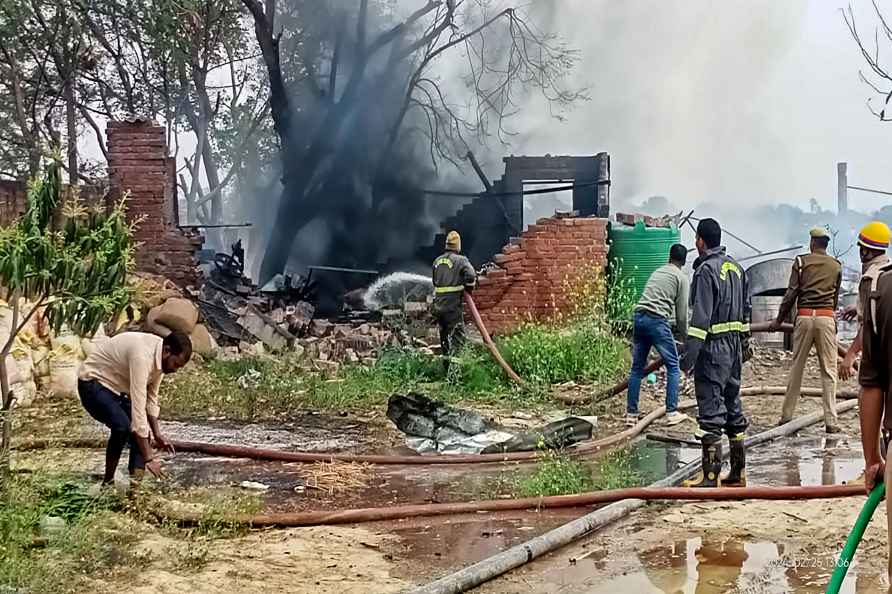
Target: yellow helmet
{"type": "Point", "coordinates": [453, 241]}
{"type": "Point", "coordinates": [875, 236]}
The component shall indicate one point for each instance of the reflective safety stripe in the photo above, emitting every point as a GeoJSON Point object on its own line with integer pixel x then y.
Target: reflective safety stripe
{"type": "Point", "coordinates": [445, 261]}
{"type": "Point", "coordinates": [453, 289]}
{"type": "Point", "coordinates": [729, 327]}
{"type": "Point", "coordinates": [697, 333]}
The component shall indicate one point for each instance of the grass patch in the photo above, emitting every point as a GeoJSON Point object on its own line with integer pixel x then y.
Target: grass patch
{"type": "Point", "coordinates": [63, 560]}
{"type": "Point", "coordinates": [273, 387]}
{"type": "Point", "coordinates": [559, 474]}
{"type": "Point", "coordinates": [617, 471]}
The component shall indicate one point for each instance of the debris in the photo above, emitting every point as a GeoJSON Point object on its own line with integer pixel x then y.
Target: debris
{"type": "Point", "coordinates": [249, 379]}
{"type": "Point", "coordinates": [253, 486]}
{"type": "Point", "coordinates": [266, 330]}
{"type": "Point", "coordinates": [335, 477]}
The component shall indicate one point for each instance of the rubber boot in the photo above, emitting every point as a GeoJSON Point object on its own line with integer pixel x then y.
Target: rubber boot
{"type": "Point", "coordinates": [712, 466]}
{"type": "Point", "coordinates": [737, 476]}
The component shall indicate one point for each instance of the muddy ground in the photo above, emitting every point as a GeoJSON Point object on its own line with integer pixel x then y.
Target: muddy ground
{"type": "Point", "coordinates": [684, 547]}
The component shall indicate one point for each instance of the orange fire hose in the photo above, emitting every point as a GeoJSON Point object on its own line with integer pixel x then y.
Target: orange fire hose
{"type": "Point", "coordinates": [622, 386]}
{"type": "Point", "coordinates": [376, 514]}
{"type": "Point", "coordinates": [233, 451]}
{"type": "Point", "coordinates": [487, 339]}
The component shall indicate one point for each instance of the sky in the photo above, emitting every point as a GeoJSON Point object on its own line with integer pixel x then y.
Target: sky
{"type": "Point", "coordinates": [742, 102]}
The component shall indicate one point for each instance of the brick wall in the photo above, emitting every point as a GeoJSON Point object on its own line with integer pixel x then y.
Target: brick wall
{"type": "Point", "coordinates": [531, 283]}
{"type": "Point", "coordinates": [139, 163]}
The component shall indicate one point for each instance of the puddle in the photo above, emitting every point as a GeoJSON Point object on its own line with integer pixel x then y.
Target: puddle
{"type": "Point", "coordinates": [459, 541]}
{"type": "Point", "coordinates": [803, 460]}
{"type": "Point", "coordinates": [713, 565]}
{"type": "Point", "coordinates": [708, 565]}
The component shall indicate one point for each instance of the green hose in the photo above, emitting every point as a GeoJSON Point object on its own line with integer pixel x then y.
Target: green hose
{"type": "Point", "coordinates": [848, 551]}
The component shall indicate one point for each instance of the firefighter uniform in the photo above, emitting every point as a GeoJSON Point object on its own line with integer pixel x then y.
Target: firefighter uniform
{"type": "Point", "coordinates": [452, 275]}
{"type": "Point", "coordinates": [717, 338]}
{"type": "Point", "coordinates": [814, 291]}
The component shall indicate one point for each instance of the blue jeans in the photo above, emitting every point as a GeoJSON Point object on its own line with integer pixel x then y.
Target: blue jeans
{"type": "Point", "coordinates": [113, 411]}
{"type": "Point", "coordinates": [651, 330]}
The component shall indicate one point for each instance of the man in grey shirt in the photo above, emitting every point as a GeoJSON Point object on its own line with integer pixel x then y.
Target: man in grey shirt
{"type": "Point", "coordinates": [665, 298]}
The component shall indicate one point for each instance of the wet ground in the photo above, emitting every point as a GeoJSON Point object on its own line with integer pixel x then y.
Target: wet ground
{"type": "Point", "coordinates": [702, 547]}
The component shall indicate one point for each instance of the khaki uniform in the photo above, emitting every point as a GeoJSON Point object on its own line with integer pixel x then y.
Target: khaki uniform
{"type": "Point", "coordinates": [452, 275]}
{"type": "Point", "coordinates": [876, 354]}
{"type": "Point", "coordinates": [814, 291]}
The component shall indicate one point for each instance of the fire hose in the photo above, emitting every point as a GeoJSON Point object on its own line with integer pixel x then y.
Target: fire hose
{"type": "Point", "coordinates": [487, 569]}
{"type": "Point", "coordinates": [848, 551]}
{"type": "Point", "coordinates": [400, 512]}
{"type": "Point", "coordinates": [271, 455]}
{"type": "Point", "coordinates": [233, 451]}
{"type": "Point", "coordinates": [575, 399]}
{"type": "Point", "coordinates": [487, 339]}
{"type": "Point", "coordinates": [662, 490]}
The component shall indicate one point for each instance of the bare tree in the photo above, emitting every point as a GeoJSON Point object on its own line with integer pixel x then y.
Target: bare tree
{"type": "Point", "coordinates": [877, 77]}
{"type": "Point", "coordinates": [363, 82]}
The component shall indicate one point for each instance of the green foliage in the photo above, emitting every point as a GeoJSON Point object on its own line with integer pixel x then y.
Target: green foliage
{"type": "Point", "coordinates": [548, 355]}
{"type": "Point", "coordinates": [557, 474]}
{"type": "Point", "coordinates": [78, 272]}
{"type": "Point", "coordinates": [621, 300]}
{"type": "Point", "coordinates": [86, 547]}
{"type": "Point", "coordinates": [616, 470]}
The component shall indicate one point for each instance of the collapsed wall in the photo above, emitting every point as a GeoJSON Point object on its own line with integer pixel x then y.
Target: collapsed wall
{"type": "Point", "coordinates": [531, 283]}
{"type": "Point", "coordinates": [139, 165]}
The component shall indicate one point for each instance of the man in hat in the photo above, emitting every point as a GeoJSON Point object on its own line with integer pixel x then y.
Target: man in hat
{"type": "Point", "coordinates": [873, 241]}
{"type": "Point", "coordinates": [453, 274]}
{"type": "Point", "coordinates": [814, 293]}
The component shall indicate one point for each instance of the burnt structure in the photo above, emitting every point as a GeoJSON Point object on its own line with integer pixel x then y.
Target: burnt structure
{"type": "Point", "coordinates": [140, 167]}
{"type": "Point", "coordinates": [491, 220]}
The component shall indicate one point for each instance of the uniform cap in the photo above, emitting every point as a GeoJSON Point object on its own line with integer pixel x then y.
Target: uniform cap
{"type": "Point", "coordinates": [453, 241]}
{"type": "Point", "coordinates": [875, 235]}
{"type": "Point", "coordinates": [819, 232]}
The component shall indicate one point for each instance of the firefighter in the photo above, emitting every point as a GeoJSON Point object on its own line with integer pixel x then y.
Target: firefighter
{"type": "Point", "coordinates": [453, 274]}
{"type": "Point", "coordinates": [874, 373]}
{"type": "Point", "coordinates": [873, 240]}
{"type": "Point", "coordinates": [716, 342]}
{"type": "Point", "coordinates": [814, 290]}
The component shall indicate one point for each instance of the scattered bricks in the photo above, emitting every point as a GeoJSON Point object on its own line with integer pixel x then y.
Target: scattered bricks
{"type": "Point", "coordinates": [502, 259]}
{"type": "Point", "coordinates": [510, 248]}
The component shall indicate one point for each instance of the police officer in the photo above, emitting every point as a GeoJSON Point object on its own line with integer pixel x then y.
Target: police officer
{"type": "Point", "coordinates": [453, 274]}
{"type": "Point", "coordinates": [873, 241]}
{"type": "Point", "coordinates": [716, 341]}
{"type": "Point", "coordinates": [814, 291]}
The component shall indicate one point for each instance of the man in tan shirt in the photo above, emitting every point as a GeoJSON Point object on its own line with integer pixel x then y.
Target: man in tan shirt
{"type": "Point", "coordinates": [814, 292]}
{"type": "Point", "coordinates": [118, 385]}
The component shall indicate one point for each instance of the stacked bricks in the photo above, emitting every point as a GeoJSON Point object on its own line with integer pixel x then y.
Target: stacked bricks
{"type": "Point", "coordinates": [13, 199]}
{"type": "Point", "coordinates": [139, 165]}
{"type": "Point", "coordinates": [531, 281]}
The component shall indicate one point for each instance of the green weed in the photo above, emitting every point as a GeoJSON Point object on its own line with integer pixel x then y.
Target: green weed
{"type": "Point", "coordinates": [60, 561]}
{"type": "Point", "coordinates": [616, 471]}
{"type": "Point", "coordinates": [557, 474]}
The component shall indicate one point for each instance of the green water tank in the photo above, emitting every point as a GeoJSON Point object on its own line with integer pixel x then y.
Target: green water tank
{"type": "Point", "coordinates": [635, 252]}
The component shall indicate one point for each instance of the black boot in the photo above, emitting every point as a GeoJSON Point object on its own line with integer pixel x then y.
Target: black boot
{"type": "Point", "coordinates": [712, 466]}
{"type": "Point", "coordinates": [737, 476]}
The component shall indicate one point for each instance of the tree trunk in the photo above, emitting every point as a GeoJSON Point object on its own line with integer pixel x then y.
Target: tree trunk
{"type": "Point", "coordinates": [71, 123]}
{"type": "Point", "coordinates": [6, 406]}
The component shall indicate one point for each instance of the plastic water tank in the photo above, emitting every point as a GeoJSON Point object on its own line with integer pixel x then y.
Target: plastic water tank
{"type": "Point", "coordinates": [635, 252]}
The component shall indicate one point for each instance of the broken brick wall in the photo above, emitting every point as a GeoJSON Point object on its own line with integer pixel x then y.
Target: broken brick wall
{"type": "Point", "coordinates": [140, 166]}
{"type": "Point", "coordinates": [531, 283]}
